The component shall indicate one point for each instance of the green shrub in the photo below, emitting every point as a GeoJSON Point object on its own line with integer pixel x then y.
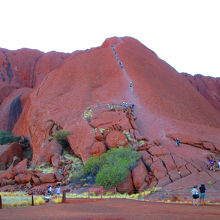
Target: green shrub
{"type": "Point", "coordinates": [111, 176]}
{"type": "Point", "coordinates": [111, 168]}
{"type": "Point", "coordinates": [7, 137]}
{"type": "Point", "coordinates": [61, 135]}
{"type": "Point", "coordinates": [93, 166]}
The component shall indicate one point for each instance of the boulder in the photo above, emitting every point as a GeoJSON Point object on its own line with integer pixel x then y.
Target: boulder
{"type": "Point", "coordinates": [127, 186]}
{"type": "Point", "coordinates": [47, 151]}
{"type": "Point", "coordinates": [116, 139]}
{"type": "Point", "coordinates": [55, 160]}
{"type": "Point", "coordinates": [58, 175]}
{"type": "Point", "coordinates": [97, 149]}
{"type": "Point", "coordinates": [8, 152]}
{"type": "Point", "coordinates": [46, 177]}
{"type": "Point", "coordinates": [139, 174]}
{"type": "Point", "coordinates": [35, 180]}
{"type": "Point", "coordinates": [21, 166]}
{"type": "Point", "coordinates": [23, 178]}
{"type": "Point", "coordinates": [99, 136]}
{"type": "Point", "coordinates": [146, 157]}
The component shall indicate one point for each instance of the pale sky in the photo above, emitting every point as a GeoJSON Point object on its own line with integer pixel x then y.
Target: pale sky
{"type": "Point", "coordinates": [184, 33]}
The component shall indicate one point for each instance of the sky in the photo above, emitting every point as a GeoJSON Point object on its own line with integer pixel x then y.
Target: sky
{"type": "Point", "coordinates": [184, 33]}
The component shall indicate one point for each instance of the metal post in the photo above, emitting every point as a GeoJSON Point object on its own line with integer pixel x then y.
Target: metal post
{"type": "Point", "coordinates": [32, 200]}
{"type": "Point", "coordinates": [0, 202]}
{"type": "Point", "coordinates": [64, 197]}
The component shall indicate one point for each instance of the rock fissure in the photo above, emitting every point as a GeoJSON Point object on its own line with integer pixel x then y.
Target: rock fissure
{"type": "Point", "coordinates": [8, 69]}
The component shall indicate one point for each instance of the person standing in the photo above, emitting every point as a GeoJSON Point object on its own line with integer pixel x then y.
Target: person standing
{"type": "Point", "coordinates": [195, 195]}
{"type": "Point", "coordinates": [58, 191]}
{"type": "Point", "coordinates": [202, 190]}
{"type": "Point", "coordinates": [177, 142]}
{"type": "Point", "coordinates": [49, 190]}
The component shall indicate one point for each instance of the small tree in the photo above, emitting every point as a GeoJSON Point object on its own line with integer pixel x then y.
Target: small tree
{"type": "Point", "coordinates": [61, 137]}
{"type": "Point", "coordinates": [112, 175]}
{"type": "Point", "coordinates": [7, 137]}
{"type": "Point", "coordinates": [111, 168]}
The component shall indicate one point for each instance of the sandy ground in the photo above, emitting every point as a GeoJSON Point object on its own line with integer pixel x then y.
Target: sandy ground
{"type": "Point", "coordinates": [111, 209]}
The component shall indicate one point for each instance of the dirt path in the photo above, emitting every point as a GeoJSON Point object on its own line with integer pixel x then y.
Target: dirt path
{"type": "Point", "coordinates": [112, 209]}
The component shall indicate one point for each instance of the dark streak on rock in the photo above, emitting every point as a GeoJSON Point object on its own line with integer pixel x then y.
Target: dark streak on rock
{"type": "Point", "coordinates": [14, 112]}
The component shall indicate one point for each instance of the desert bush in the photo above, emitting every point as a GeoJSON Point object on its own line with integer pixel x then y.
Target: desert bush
{"type": "Point", "coordinates": [88, 114]}
{"type": "Point", "coordinates": [61, 137]}
{"type": "Point", "coordinates": [44, 167]}
{"type": "Point", "coordinates": [20, 200]}
{"type": "Point", "coordinates": [111, 176]}
{"type": "Point", "coordinates": [111, 168]}
{"type": "Point", "coordinates": [7, 137]}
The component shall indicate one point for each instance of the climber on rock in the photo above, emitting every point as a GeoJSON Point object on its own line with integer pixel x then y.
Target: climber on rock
{"type": "Point", "coordinates": [132, 106]}
{"type": "Point", "coordinates": [212, 165]}
{"type": "Point", "coordinates": [124, 104]}
{"type": "Point", "coordinates": [177, 142]}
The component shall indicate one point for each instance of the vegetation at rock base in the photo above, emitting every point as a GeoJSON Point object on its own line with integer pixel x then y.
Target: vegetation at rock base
{"type": "Point", "coordinates": [7, 137]}
{"type": "Point", "coordinates": [88, 114]}
{"type": "Point", "coordinates": [111, 169]}
{"type": "Point", "coordinates": [44, 167]}
{"type": "Point", "coordinates": [61, 137]}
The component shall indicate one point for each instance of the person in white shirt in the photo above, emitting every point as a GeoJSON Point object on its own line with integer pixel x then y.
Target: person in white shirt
{"type": "Point", "coordinates": [195, 195]}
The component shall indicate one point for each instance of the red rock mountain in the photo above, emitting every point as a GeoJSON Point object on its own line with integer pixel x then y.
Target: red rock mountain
{"type": "Point", "coordinates": [83, 92]}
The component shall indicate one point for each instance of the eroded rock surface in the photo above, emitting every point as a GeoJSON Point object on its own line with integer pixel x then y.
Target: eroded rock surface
{"type": "Point", "coordinates": [117, 95]}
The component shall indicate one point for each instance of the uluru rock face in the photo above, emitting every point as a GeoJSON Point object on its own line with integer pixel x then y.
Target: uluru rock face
{"type": "Point", "coordinates": [209, 87]}
{"type": "Point", "coordinates": [23, 68]}
{"type": "Point", "coordinates": [115, 95]}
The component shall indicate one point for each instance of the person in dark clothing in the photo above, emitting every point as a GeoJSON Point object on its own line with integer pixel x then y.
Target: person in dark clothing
{"type": "Point", "coordinates": [202, 190]}
{"type": "Point", "coordinates": [177, 142]}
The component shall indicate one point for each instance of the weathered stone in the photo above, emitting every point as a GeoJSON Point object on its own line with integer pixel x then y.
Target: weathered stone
{"type": "Point", "coordinates": [163, 181]}
{"type": "Point", "coordinates": [59, 175]}
{"type": "Point", "coordinates": [97, 149]}
{"type": "Point", "coordinates": [7, 153]}
{"type": "Point", "coordinates": [55, 160]}
{"type": "Point", "coordinates": [158, 151]}
{"type": "Point", "coordinates": [21, 166]}
{"type": "Point", "coordinates": [139, 174]}
{"type": "Point", "coordinates": [35, 180]}
{"type": "Point", "coordinates": [23, 178]}
{"type": "Point", "coordinates": [168, 161]}
{"type": "Point", "coordinates": [158, 169]}
{"type": "Point", "coordinates": [99, 136]}
{"type": "Point", "coordinates": [209, 146]}
{"type": "Point", "coordinates": [127, 186]}
{"type": "Point", "coordinates": [46, 177]}
{"type": "Point", "coordinates": [116, 139]}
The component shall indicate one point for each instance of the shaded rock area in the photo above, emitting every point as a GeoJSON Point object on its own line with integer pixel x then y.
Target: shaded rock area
{"type": "Point", "coordinates": [7, 154]}
{"type": "Point", "coordinates": [117, 95]}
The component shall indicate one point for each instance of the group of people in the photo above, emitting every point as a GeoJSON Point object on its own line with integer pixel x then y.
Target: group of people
{"type": "Point", "coordinates": [127, 105]}
{"type": "Point", "coordinates": [213, 164]}
{"type": "Point", "coordinates": [50, 192]}
{"type": "Point", "coordinates": [199, 194]}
